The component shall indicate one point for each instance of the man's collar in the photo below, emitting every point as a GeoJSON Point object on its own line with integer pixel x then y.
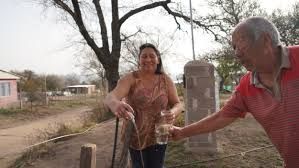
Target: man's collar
{"type": "Point", "coordinates": [285, 60]}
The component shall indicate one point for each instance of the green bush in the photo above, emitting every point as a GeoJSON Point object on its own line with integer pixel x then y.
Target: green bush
{"type": "Point", "coordinates": [180, 120]}
{"type": "Point", "coordinates": [9, 111]}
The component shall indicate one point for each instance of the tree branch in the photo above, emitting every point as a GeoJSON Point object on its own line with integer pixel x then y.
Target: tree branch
{"type": "Point", "coordinates": [102, 24]}
{"type": "Point", "coordinates": [126, 37]}
{"type": "Point", "coordinates": [116, 42]}
{"type": "Point", "coordinates": [142, 8]}
{"type": "Point", "coordinates": [187, 19]}
{"type": "Point", "coordinates": [64, 7]}
{"type": "Point", "coordinates": [90, 41]}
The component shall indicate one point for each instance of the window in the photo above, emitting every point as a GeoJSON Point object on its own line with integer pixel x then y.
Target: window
{"type": "Point", "coordinates": [5, 89]}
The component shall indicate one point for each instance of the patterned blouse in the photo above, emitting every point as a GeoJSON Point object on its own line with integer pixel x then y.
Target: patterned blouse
{"type": "Point", "coordinates": [147, 104]}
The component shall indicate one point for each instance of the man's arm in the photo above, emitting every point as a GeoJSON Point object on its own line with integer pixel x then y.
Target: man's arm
{"type": "Point", "coordinates": [208, 124]}
{"type": "Point", "coordinates": [234, 108]}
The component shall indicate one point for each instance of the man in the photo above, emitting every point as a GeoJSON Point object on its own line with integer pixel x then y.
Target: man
{"type": "Point", "coordinates": [269, 91]}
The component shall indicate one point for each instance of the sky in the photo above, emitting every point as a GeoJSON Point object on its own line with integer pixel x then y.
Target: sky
{"type": "Point", "coordinates": [36, 40]}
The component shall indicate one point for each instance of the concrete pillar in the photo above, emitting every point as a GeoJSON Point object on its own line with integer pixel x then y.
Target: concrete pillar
{"type": "Point", "coordinates": [201, 99]}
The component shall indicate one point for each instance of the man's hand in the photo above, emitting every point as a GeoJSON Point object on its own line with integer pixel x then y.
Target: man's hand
{"type": "Point", "coordinates": [176, 133]}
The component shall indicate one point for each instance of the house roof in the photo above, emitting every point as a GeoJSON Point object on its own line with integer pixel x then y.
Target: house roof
{"type": "Point", "coordinates": [8, 75]}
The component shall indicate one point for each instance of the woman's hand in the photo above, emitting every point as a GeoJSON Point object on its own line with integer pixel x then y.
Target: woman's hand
{"type": "Point", "coordinates": [168, 116]}
{"type": "Point", "coordinates": [122, 110]}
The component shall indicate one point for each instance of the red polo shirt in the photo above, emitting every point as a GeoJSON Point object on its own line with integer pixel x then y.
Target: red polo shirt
{"type": "Point", "coordinates": [278, 110]}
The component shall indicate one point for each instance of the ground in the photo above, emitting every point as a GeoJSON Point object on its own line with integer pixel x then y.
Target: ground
{"type": "Point", "coordinates": [67, 154]}
{"type": "Point", "coordinates": [16, 136]}
{"type": "Point", "coordinates": [243, 135]}
{"type": "Point", "coordinates": [239, 137]}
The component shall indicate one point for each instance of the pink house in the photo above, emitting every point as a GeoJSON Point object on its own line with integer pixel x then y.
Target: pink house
{"type": "Point", "coordinates": [8, 89]}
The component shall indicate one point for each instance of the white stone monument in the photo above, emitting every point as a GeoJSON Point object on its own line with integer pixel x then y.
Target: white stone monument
{"type": "Point", "coordinates": [201, 99]}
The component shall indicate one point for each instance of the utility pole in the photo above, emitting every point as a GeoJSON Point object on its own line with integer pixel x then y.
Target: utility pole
{"type": "Point", "coordinates": [191, 23]}
{"type": "Point", "coordinates": [46, 96]}
{"type": "Point", "coordinates": [21, 100]}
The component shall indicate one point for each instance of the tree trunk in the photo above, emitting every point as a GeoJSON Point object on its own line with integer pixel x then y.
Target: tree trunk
{"type": "Point", "coordinates": [31, 104]}
{"type": "Point", "coordinates": [221, 83]}
{"type": "Point", "coordinates": [112, 75]}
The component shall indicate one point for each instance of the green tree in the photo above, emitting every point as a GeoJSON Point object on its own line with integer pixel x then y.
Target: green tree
{"type": "Point", "coordinates": [30, 81]}
{"type": "Point", "coordinates": [71, 79]}
{"type": "Point", "coordinates": [54, 82]}
{"type": "Point", "coordinates": [226, 14]}
{"type": "Point", "coordinates": [287, 24]}
{"type": "Point", "coordinates": [32, 92]}
{"type": "Point", "coordinates": [228, 68]}
{"type": "Point", "coordinates": [31, 84]}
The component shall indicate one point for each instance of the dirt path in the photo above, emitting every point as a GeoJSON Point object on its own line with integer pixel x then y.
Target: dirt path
{"type": "Point", "coordinates": [67, 153]}
{"type": "Point", "coordinates": [16, 138]}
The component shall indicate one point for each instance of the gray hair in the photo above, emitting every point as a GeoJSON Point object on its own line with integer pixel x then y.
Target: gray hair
{"type": "Point", "coordinates": [258, 25]}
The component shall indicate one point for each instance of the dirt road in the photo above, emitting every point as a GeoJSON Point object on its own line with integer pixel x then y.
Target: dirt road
{"type": "Point", "coordinates": [67, 153]}
{"type": "Point", "coordinates": [13, 140]}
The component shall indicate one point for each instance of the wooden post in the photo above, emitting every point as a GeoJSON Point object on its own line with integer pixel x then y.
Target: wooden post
{"type": "Point", "coordinates": [88, 156]}
{"type": "Point", "coordinates": [21, 99]}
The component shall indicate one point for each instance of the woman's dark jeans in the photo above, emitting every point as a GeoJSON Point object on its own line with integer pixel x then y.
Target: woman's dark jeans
{"type": "Point", "coordinates": [153, 157]}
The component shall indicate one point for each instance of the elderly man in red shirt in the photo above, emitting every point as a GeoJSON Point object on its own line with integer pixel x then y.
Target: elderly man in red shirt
{"type": "Point", "coordinates": [269, 91]}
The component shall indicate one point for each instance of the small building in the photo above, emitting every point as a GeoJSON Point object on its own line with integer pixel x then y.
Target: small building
{"type": "Point", "coordinates": [81, 89]}
{"type": "Point", "coordinates": [8, 89]}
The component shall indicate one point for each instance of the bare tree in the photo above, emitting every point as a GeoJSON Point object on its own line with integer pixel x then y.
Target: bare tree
{"type": "Point", "coordinates": [92, 68]}
{"type": "Point", "coordinates": [107, 49]}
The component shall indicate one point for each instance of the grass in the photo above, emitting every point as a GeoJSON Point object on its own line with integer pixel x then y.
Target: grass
{"type": "Point", "coordinates": [99, 113]}
{"type": "Point", "coordinates": [177, 155]}
{"type": "Point", "coordinates": [45, 150]}
{"type": "Point", "coordinates": [96, 115]}
{"type": "Point", "coordinates": [14, 116]}
{"type": "Point", "coordinates": [10, 111]}
{"type": "Point", "coordinates": [41, 108]}
{"type": "Point", "coordinates": [31, 155]}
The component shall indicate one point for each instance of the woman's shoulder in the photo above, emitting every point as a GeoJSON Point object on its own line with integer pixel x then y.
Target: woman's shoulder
{"type": "Point", "coordinates": [166, 77]}
{"type": "Point", "coordinates": [129, 77]}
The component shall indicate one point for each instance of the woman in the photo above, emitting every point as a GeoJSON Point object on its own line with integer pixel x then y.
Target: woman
{"type": "Point", "coordinates": [147, 91]}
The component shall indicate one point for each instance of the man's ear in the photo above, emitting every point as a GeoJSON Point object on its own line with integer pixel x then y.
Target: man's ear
{"type": "Point", "coordinates": [267, 43]}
